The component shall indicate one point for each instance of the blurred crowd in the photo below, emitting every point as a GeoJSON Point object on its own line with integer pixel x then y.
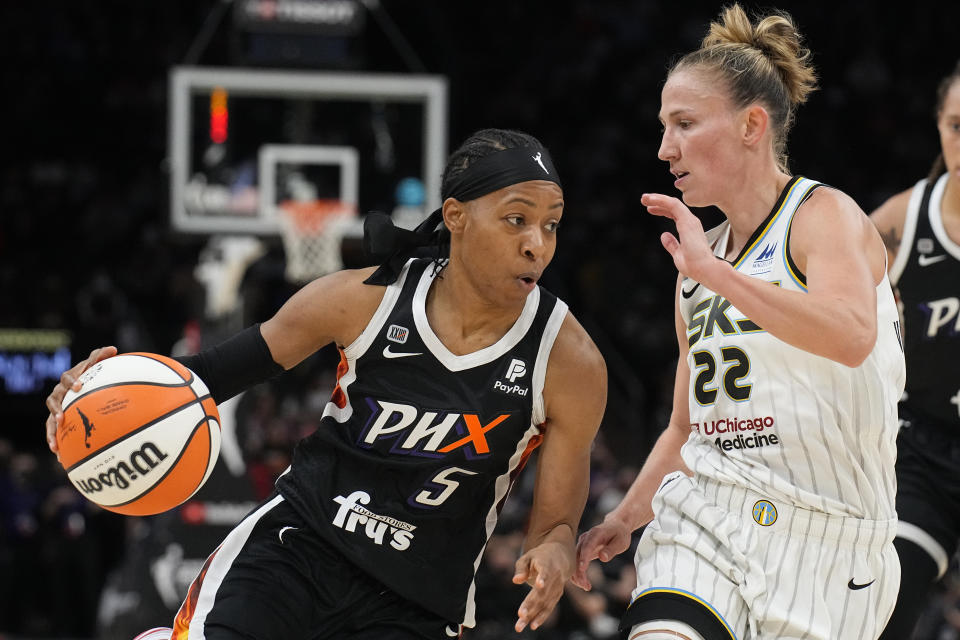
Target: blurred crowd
{"type": "Point", "coordinates": [86, 245]}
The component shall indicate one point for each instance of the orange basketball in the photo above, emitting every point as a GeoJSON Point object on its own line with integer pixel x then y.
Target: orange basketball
{"type": "Point", "coordinates": [141, 435]}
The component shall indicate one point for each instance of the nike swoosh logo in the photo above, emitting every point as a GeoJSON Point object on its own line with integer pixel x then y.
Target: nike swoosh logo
{"type": "Point", "coordinates": [854, 586]}
{"type": "Point", "coordinates": [393, 354]}
{"type": "Point", "coordinates": [451, 632]}
{"type": "Point", "coordinates": [687, 294]}
{"type": "Point", "coordinates": [926, 261]}
{"type": "Point", "coordinates": [280, 535]}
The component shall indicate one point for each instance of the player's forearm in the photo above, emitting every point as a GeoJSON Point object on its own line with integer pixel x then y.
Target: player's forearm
{"type": "Point", "coordinates": [635, 510]}
{"type": "Point", "coordinates": [234, 365]}
{"type": "Point", "coordinates": [830, 326]}
{"type": "Point", "coordinates": [562, 534]}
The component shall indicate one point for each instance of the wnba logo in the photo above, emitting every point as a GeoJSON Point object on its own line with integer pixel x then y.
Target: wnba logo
{"type": "Point", "coordinates": [764, 513]}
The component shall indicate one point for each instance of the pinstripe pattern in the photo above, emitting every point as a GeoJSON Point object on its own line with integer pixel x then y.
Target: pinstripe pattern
{"type": "Point", "coordinates": [788, 580]}
{"type": "Point", "coordinates": [813, 437]}
{"type": "Point", "coordinates": [836, 426]}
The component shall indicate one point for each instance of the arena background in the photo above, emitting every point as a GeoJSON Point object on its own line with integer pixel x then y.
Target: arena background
{"type": "Point", "coordinates": [88, 256]}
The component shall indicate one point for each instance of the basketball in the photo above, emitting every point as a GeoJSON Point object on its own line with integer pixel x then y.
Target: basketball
{"type": "Point", "coordinates": [141, 436]}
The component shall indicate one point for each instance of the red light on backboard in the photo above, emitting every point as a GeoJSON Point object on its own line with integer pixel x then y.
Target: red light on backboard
{"type": "Point", "coordinates": [219, 116]}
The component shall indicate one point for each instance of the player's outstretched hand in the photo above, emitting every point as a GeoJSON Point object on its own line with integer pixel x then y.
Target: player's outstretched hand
{"type": "Point", "coordinates": [546, 569]}
{"type": "Point", "coordinates": [70, 380]}
{"type": "Point", "coordinates": [605, 541]}
{"type": "Point", "coordinates": [689, 249]}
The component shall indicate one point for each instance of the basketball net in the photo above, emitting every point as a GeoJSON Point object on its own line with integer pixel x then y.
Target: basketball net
{"type": "Point", "coordinates": [312, 233]}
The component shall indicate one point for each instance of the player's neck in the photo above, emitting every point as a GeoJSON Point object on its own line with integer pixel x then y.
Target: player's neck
{"type": "Point", "coordinates": [751, 206]}
{"type": "Point", "coordinates": [462, 317]}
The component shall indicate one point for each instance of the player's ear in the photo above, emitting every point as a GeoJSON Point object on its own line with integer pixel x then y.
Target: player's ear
{"type": "Point", "coordinates": [756, 120]}
{"type": "Point", "coordinates": [454, 215]}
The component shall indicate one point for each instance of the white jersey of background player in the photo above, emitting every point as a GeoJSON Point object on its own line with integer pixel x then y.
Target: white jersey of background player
{"type": "Point", "coordinates": [769, 498]}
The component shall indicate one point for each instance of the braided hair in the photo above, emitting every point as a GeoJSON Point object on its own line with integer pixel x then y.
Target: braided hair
{"type": "Point", "coordinates": [479, 145]}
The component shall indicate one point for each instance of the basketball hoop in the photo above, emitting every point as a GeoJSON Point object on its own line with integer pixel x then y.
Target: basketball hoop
{"type": "Point", "coordinates": [312, 233]}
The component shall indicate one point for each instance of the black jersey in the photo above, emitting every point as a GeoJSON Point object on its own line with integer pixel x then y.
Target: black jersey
{"type": "Point", "coordinates": [418, 447]}
{"type": "Point", "coordinates": [927, 274]}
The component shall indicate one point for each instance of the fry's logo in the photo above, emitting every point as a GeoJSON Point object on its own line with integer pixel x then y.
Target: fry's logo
{"type": "Point", "coordinates": [350, 515]}
{"type": "Point", "coordinates": [429, 433]}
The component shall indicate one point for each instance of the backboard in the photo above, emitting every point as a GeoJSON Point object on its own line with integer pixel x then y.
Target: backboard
{"type": "Point", "coordinates": [241, 139]}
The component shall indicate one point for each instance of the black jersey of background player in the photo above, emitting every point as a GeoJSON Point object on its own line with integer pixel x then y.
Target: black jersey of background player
{"type": "Point", "coordinates": [929, 288]}
{"type": "Point", "coordinates": [418, 447]}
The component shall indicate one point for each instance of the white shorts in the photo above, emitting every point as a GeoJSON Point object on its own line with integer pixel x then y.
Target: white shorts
{"type": "Point", "coordinates": [733, 564]}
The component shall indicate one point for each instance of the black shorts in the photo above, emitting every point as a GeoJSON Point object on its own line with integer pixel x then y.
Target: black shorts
{"type": "Point", "coordinates": [274, 578]}
{"type": "Point", "coordinates": [928, 482]}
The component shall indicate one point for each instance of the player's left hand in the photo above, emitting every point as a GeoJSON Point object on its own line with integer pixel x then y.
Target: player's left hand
{"type": "Point", "coordinates": [546, 568]}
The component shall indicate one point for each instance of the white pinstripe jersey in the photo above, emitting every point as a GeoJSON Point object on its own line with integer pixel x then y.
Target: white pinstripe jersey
{"type": "Point", "coordinates": [781, 421]}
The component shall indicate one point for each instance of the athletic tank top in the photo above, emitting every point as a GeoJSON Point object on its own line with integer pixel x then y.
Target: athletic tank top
{"type": "Point", "coordinates": [781, 421]}
{"type": "Point", "coordinates": [418, 447]}
{"type": "Point", "coordinates": [926, 273]}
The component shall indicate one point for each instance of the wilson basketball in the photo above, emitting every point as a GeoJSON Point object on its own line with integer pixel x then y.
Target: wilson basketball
{"type": "Point", "coordinates": [141, 435]}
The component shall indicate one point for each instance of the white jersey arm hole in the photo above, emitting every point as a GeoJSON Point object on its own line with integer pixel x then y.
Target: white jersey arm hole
{"type": "Point", "coordinates": [909, 230]}
{"type": "Point", "coordinates": [714, 234]}
{"type": "Point", "coordinates": [549, 336]}
{"type": "Point", "coordinates": [935, 212]}
{"type": "Point", "coordinates": [925, 541]}
{"type": "Point", "coordinates": [359, 346]}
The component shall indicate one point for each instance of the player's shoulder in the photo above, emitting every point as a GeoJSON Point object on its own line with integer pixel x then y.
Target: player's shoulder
{"type": "Point", "coordinates": [827, 219]}
{"type": "Point", "coordinates": [827, 198]}
{"type": "Point", "coordinates": [829, 210]}
{"type": "Point", "coordinates": [348, 285]}
{"type": "Point", "coordinates": [339, 301]}
{"type": "Point", "coordinates": [893, 211]}
{"type": "Point", "coordinates": [575, 388]}
{"type": "Point", "coordinates": [575, 349]}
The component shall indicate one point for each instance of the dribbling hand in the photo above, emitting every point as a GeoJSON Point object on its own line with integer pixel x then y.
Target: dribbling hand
{"type": "Point", "coordinates": [69, 380]}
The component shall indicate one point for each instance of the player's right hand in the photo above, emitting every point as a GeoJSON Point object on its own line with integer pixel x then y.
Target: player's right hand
{"type": "Point", "coordinates": [690, 250]}
{"type": "Point", "coordinates": [605, 541]}
{"type": "Point", "coordinates": [69, 380]}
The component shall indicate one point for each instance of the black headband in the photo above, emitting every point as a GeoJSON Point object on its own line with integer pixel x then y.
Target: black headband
{"type": "Point", "coordinates": [502, 169]}
{"type": "Point", "coordinates": [392, 246]}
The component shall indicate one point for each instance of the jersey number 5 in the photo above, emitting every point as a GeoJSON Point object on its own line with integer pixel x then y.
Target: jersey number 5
{"type": "Point", "coordinates": [738, 366]}
{"type": "Point", "coordinates": [440, 487]}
